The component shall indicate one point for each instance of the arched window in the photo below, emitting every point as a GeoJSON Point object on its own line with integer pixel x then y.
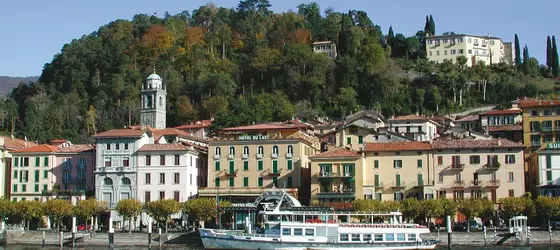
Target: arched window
{"type": "Point", "coordinates": [231, 150]}
{"type": "Point", "coordinates": [275, 149]}
{"type": "Point", "coordinates": [290, 149]}
{"type": "Point", "coordinates": [245, 150]}
{"type": "Point", "coordinates": [160, 102]}
{"type": "Point", "coordinates": [217, 151]}
{"type": "Point", "coordinates": [260, 150]}
{"type": "Point", "coordinates": [108, 181]}
{"type": "Point", "coordinates": [125, 181]}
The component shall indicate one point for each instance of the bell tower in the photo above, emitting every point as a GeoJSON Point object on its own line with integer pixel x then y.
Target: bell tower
{"type": "Point", "coordinates": [153, 102]}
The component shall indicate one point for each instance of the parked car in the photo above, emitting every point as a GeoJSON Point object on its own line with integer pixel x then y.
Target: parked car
{"type": "Point", "coordinates": [83, 227]}
{"type": "Point", "coordinates": [462, 226]}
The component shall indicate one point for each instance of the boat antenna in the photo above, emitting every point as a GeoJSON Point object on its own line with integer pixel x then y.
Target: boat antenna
{"type": "Point", "coordinates": [277, 208]}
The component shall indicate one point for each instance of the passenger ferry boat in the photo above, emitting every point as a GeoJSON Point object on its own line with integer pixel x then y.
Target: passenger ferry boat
{"type": "Point", "coordinates": [321, 230]}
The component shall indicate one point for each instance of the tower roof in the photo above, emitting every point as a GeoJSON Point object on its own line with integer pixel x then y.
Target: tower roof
{"type": "Point", "coordinates": [154, 76]}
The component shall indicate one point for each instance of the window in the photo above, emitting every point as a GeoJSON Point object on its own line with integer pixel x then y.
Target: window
{"type": "Point", "coordinates": [260, 150]}
{"type": "Point", "coordinates": [176, 195]}
{"type": "Point", "coordinates": [176, 178]}
{"type": "Point", "coordinates": [108, 146]}
{"type": "Point", "coordinates": [378, 237]}
{"type": "Point", "coordinates": [290, 149]}
{"type": "Point", "coordinates": [217, 181]}
{"type": "Point", "coordinates": [260, 182]}
{"type": "Point", "coordinates": [546, 112]}
{"type": "Point", "coordinates": [217, 151]}
{"type": "Point", "coordinates": [46, 161]}
{"type": "Point", "coordinates": [260, 165]}
{"type": "Point", "coordinates": [231, 181]}
{"type": "Point", "coordinates": [343, 237]}
{"type": "Point", "coordinates": [440, 160]}
{"type": "Point", "coordinates": [108, 181]}
{"type": "Point", "coordinates": [360, 139]}
{"type": "Point", "coordinates": [275, 150]}
{"type": "Point", "coordinates": [147, 197]}
{"type": "Point", "coordinates": [511, 193]}
{"type": "Point", "coordinates": [126, 162]}
{"type": "Point", "coordinates": [36, 161]}
{"type": "Point", "coordinates": [190, 179]}
{"type": "Point", "coordinates": [401, 237]}
{"type": "Point", "coordinates": [389, 237]}
{"type": "Point", "coordinates": [148, 160]}
{"type": "Point", "coordinates": [398, 196]}
{"type": "Point", "coordinates": [45, 174]}
{"type": "Point", "coordinates": [419, 163]}
{"type": "Point", "coordinates": [177, 160]}
{"type": "Point", "coordinates": [126, 146]}
{"type": "Point", "coordinates": [309, 232]}
{"type": "Point", "coordinates": [37, 175]}
{"type": "Point", "coordinates": [440, 177]}
{"type": "Point", "coordinates": [107, 162]}
{"type": "Point", "coordinates": [245, 181]}
{"type": "Point", "coordinates": [456, 160]}
{"type": "Point", "coordinates": [375, 164]}
{"type": "Point", "coordinates": [511, 177]}
{"type": "Point", "coordinates": [510, 159]}
{"type": "Point", "coordinates": [161, 178]}
{"type": "Point", "coordinates": [217, 166]}
{"type": "Point", "coordinates": [289, 165]}
{"type": "Point", "coordinates": [36, 188]}
{"type": "Point", "coordinates": [535, 126]}
{"type": "Point", "coordinates": [547, 138]}
{"type": "Point", "coordinates": [366, 237]}
{"type": "Point", "coordinates": [461, 51]}
{"type": "Point", "coordinates": [458, 177]}
{"type": "Point", "coordinates": [474, 159]}
{"type": "Point", "coordinates": [45, 187]}
{"type": "Point", "coordinates": [232, 150]}
{"type": "Point", "coordinates": [148, 178]}
{"type": "Point", "coordinates": [445, 52]}
{"type": "Point", "coordinates": [286, 231]}
{"type": "Point", "coordinates": [117, 145]}
{"type": "Point", "coordinates": [397, 163]}
{"type": "Point", "coordinates": [162, 160]}
{"type": "Point", "coordinates": [453, 52]}
{"type": "Point", "coordinates": [355, 237]}
{"type": "Point", "coordinates": [125, 181]}
{"type": "Point", "coordinates": [14, 188]}
{"type": "Point", "coordinates": [411, 237]}
{"type": "Point", "coordinates": [161, 195]}
{"type": "Point", "coordinates": [348, 140]}
{"type": "Point", "coordinates": [15, 174]}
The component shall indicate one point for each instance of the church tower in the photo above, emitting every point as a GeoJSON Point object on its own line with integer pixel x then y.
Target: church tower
{"type": "Point", "coordinates": [153, 102]}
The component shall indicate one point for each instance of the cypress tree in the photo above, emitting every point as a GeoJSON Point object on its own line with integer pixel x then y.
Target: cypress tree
{"type": "Point", "coordinates": [526, 58]}
{"type": "Point", "coordinates": [554, 57]}
{"type": "Point", "coordinates": [432, 26]}
{"type": "Point", "coordinates": [391, 37]}
{"type": "Point", "coordinates": [517, 53]}
{"type": "Point", "coordinates": [427, 26]}
{"type": "Point", "coordinates": [548, 53]}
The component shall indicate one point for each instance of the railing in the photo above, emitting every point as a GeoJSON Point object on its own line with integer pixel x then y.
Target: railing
{"type": "Point", "coordinates": [398, 184]}
{"type": "Point", "coordinates": [423, 183]}
{"type": "Point", "coordinates": [66, 180]}
{"type": "Point", "coordinates": [546, 129]}
{"type": "Point", "coordinates": [493, 166]}
{"type": "Point", "coordinates": [493, 183]}
{"type": "Point", "coordinates": [66, 166]}
{"type": "Point", "coordinates": [289, 155]}
{"type": "Point", "coordinates": [277, 173]}
{"type": "Point", "coordinates": [378, 184]}
{"type": "Point", "coordinates": [535, 143]}
{"type": "Point", "coordinates": [273, 156]}
{"type": "Point", "coordinates": [458, 184]}
{"type": "Point", "coordinates": [259, 156]}
{"type": "Point", "coordinates": [458, 166]}
{"type": "Point", "coordinates": [476, 183]}
{"type": "Point", "coordinates": [231, 156]}
{"type": "Point", "coordinates": [216, 157]}
{"type": "Point", "coordinates": [331, 174]}
{"type": "Point", "coordinates": [232, 174]}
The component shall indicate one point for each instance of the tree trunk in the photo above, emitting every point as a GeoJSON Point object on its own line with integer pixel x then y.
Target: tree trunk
{"type": "Point", "coordinates": [484, 89]}
{"type": "Point", "coordinates": [468, 225]}
{"type": "Point", "coordinates": [454, 95]}
{"type": "Point", "coordinates": [130, 225]}
{"type": "Point", "coordinates": [165, 225]}
{"type": "Point", "coordinates": [461, 97]}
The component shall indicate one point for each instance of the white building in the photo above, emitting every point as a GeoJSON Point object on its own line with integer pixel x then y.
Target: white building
{"type": "Point", "coordinates": [548, 172]}
{"type": "Point", "coordinates": [325, 47]}
{"type": "Point", "coordinates": [488, 49]}
{"type": "Point", "coordinates": [416, 127]}
{"type": "Point", "coordinates": [8, 144]}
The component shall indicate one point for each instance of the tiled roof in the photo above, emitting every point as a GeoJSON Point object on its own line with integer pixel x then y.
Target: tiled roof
{"type": "Point", "coordinates": [503, 112]}
{"type": "Point", "coordinates": [397, 146]}
{"type": "Point", "coordinates": [42, 148]}
{"type": "Point", "coordinates": [258, 127]}
{"type": "Point", "coordinates": [13, 143]}
{"type": "Point", "coordinates": [169, 131]}
{"type": "Point", "coordinates": [538, 103]}
{"type": "Point", "coordinates": [59, 141]}
{"type": "Point", "coordinates": [336, 152]}
{"type": "Point", "coordinates": [505, 128]}
{"type": "Point", "coordinates": [297, 124]}
{"type": "Point", "coordinates": [196, 125]}
{"type": "Point", "coordinates": [409, 118]}
{"type": "Point", "coordinates": [163, 147]}
{"type": "Point", "coordinates": [76, 148]}
{"type": "Point", "coordinates": [468, 118]}
{"type": "Point", "coordinates": [471, 143]}
{"type": "Point", "coordinates": [120, 133]}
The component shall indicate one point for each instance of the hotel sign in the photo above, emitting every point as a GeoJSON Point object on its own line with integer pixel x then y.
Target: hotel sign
{"type": "Point", "coordinates": [252, 137]}
{"type": "Point", "coordinates": [555, 145]}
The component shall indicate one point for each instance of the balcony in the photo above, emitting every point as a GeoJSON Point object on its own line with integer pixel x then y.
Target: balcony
{"type": "Point", "coordinates": [232, 174]}
{"type": "Point", "coordinates": [259, 156]}
{"type": "Point", "coordinates": [81, 180]}
{"type": "Point", "coordinates": [216, 157]}
{"type": "Point", "coordinates": [476, 44]}
{"type": "Point", "coordinates": [289, 155]}
{"type": "Point", "coordinates": [274, 155]}
{"type": "Point", "coordinates": [423, 183]}
{"type": "Point", "coordinates": [81, 166]}
{"type": "Point", "coordinates": [398, 184]}
{"type": "Point", "coordinates": [458, 184]}
{"type": "Point", "coordinates": [344, 193]}
{"type": "Point", "coordinates": [493, 183]}
{"type": "Point", "coordinates": [67, 166]}
{"type": "Point", "coordinates": [546, 129]}
{"type": "Point", "coordinates": [231, 156]}
{"type": "Point", "coordinates": [245, 156]}
{"type": "Point", "coordinates": [535, 143]}
{"type": "Point", "coordinates": [275, 173]}
{"type": "Point", "coordinates": [476, 183]}
{"type": "Point", "coordinates": [457, 166]}
{"type": "Point", "coordinates": [66, 180]}
{"type": "Point", "coordinates": [492, 166]}
{"type": "Point", "coordinates": [378, 184]}
{"type": "Point", "coordinates": [336, 175]}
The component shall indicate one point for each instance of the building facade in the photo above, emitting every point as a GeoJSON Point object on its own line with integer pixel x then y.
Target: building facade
{"type": "Point", "coordinates": [7, 145]}
{"type": "Point", "coordinates": [336, 176]}
{"type": "Point", "coordinates": [416, 127]}
{"type": "Point", "coordinates": [397, 170]}
{"type": "Point", "coordinates": [478, 168]}
{"type": "Point", "coordinates": [547, 175]}
{"type": "Point", "coordinates": [326, 47]}
{"type": "Point", "coordinates": [153, 103]}
{"type": "Point", "coordinates": [199, 129]}
{"type": "Point", "coordinates": [245, 161]}
{"type": "Point", "coordinates": [487, 49]}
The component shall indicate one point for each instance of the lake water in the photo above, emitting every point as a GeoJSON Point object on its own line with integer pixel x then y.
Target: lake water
{"type": "Point", "coordinates": [20, 247]}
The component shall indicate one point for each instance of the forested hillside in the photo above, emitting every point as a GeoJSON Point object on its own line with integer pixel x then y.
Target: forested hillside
{"type": "Point", "coordinates": [249, 64]}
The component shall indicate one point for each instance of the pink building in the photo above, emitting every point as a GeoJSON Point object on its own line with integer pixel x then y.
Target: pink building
{"type": "Point", "coordinates": [199, 129]}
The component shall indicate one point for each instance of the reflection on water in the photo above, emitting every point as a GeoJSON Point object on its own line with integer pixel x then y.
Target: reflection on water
{"type": "Point", "coordinates": [21, 247]}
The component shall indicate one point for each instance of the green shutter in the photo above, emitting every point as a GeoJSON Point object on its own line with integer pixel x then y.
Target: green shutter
{"type": "Point", "coordinates": [549, 175]}
{"type": "Point", "coordinates": [245, 181]}
{"type": "Point", "coordinates": [45, 187]}
{"type": "Point", "coordinates": [348, 140]}
{"type": "Point", "coordinates": [420, 181]}
{"type": "Point", "coordinates": [37, 159]}
{"type": "Point", "coordinates": [290, 166]}
{"type": "Point", "coordinates": [376, 180]}
{"type": "Point", "coordinates": [260, 165]}
{"type": "Point", "coordinates": [375, 164]}
{"type": "Point", "coordinates": [398, 180]}
{"type": "Point", "coordinates": [360, 139]}
{"type": "Point", "coordinates": [23, 188]}
{"type": "Point", "coordinates": [246, 165]}
{"type": "Point", "coordinates": [46, 161]}
{"type": "Point", "coordinates": [217, 166]}
{"type": "Point", "coordinates": [275, 167]}
{"type": "Point", "coordinates": [231, 167]}
{"type": "Point", "coordinates": [217, 181]}
{"type": "Point", "coordinates": [274, 180]}
{"type": "Point", "coordinates": [15, 174]}
{"type": "Point", "coordinates": [36, 188]}
{"type": "Point", "coordinates": [14, 188]}
{"type": "Point", "coordinates": [231, 181]}
{"type": "Point", "coordinates": [16, 163]}
{"type": "Point", "coordinates": [549, 161]}
{"type": "Point", "coordinates": [45, 174]}
{"type": "Point", "coordinates": [260, 182]}
{"type": "Point", "coordinates": [419, 163]}
{"type": "Point", "coordinates": [36, 175]}
{"type": "Point", "coordinates": [289, 185]}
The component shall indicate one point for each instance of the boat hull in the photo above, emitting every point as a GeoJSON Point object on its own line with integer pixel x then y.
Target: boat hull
{"type": "Point", "coordinates": [211, 241]}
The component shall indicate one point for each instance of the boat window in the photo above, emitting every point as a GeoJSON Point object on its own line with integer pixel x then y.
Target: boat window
{"type": "Point", "coordinates": [298, 231]}
{"type": "Point", "coordinates": [285, 218]}
{"type": "Point", "coordinates": [411, 237]}
{"type": "Point", "coordinates": [286, 231]}
{"type": "Point", "coordinates": [343, 237]}
{"type": "Point", "coordinates": [299, 218]}
{"type": "Point", "coordinates": [273, 218]}
{"type": "Point", "coordinates": [378, 237]}
{"type": "Point", "coordinates": [367, 237]}
{"type": "Point", "coordinates": [400, 237]}
{"type": "Point", "coordinates": [389, 237]}
{"type": "Point", "coordinates": [355, 237]}
{"type": "Point", "coordinates": [309, 232]}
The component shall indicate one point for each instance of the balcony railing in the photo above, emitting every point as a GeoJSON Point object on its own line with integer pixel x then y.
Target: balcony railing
{"type": "Point", "coordinates": [259, 156]}
{"type": "Point", "coordinates": [546, 129]}
{"type": "Point", "coordinates": [458, 184]}
{"type": "Point", "coordinates": [335, 175]}
{"type": "Point", "coordinates": [476, 183]}
{"type": "Point", "coordinates": [81, 180]}
{"type": "Point", "coordinates": [398, 184]}
{"type": "Point", "coordinates": [557, 127]}
{"type": "Point", "coordinates": [245, 156]}
{"type": "Point", "coordinates": [216, 157]}
{"type": "Point", "coordinates": [457, 166]}
{"type": "Point", "coordinates": [378, 184]}
{"type": "Point", "coordinates": [274, 155]}
{"type": "Point", "coordinates": [66, 166]}
{"type": "Point", "coordinates": [493, 183]}
{"type": "Point", "coordinates": [232, 174]}
{"type": "Point", "coordinates": [535, 143]}
{"type": "Point", "coordinates": [277, 173]}
{"type": "Point", "coordinates": [66, 180]}
{"type": "Point", "coordinates": [289, 155]}
{"type": "Point", "coordinates": [231, 156]}
{"type": "Point", "coordinates": [492, 166]}
{"type": "Point", "coordinates": [423, 183]}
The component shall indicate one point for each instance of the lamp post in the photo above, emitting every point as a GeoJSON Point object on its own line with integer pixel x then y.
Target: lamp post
{"type": "Point", "coordinates": [73, 225]}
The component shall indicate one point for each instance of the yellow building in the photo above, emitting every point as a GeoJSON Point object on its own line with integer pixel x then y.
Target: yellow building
{"type": "Point", "coordinates": [490, 168]}
{"type": "Point", "coordinates": [397, 170]}
{"type": "Point", "coordinates": [246, 161]}
{"type": "Point", "coordinates": [490, 50]}
{"type": "Point", "coordinates": [336, 175]}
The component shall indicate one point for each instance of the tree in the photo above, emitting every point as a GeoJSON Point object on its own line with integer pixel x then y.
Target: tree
{"type": "Point", "coordinates": [526, 60]}
{"type": "Point", "coordinates": [29, 210]}
{"type": "Point", "coordinates": [449, 207]}
{"type": "Point", "coordinates": [512, 206]}
{"type": "Point", "coordinates": [547, 207]}
{"type": "Point", "coordinates": [91, 118]}
{"type": "Point", "coordinates": [102, 207]}
{"type": "Point", "coordinates": [58, 209]}
{"type": "Point", "coordinates": [554, 56]}
{"type": "Point", "coordinates": [86, 209]}
{"type": "Point", "coordinates": [470, 208]}
{"type": "Point", "coordinates": [203, 209]}
{"type": "Point", "coordinates": [161, 210]}
{"type": "Point", "coordinates": [431, 208]}
{"type": "Point", "coordinates": [432, 26]}
{"type": "Point", "coordinates": [391, 37]}
{"type": "Point", "coordinates": [517, 53]}
{"type": "Point", "coordinates": [7, 209]}
{"type": "Point", "coordinates": [548, 53]}
{"type": "Point", "coordinates": [128, 209]}
{"type": "Point", "coordinates": [411, 208]}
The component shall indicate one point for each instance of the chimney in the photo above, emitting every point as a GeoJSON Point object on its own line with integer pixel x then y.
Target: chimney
{"type": "Point", "coordinates": [499, 141]}
{"type": "Point", "coordinates": [488, 34]}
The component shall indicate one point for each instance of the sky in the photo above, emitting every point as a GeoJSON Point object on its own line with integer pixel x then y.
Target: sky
{"type": "Point", "coordinates": [32, 32]}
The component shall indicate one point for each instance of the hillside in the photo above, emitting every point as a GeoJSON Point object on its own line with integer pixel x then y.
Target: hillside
{"type": "Point", "coordinates": [246, 65]}
{"type": "Point", "coordinates": [7, 83]}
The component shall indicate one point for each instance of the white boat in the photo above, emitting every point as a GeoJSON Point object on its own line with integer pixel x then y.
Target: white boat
{"type": "Point", "coordinates": [288, 229]}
